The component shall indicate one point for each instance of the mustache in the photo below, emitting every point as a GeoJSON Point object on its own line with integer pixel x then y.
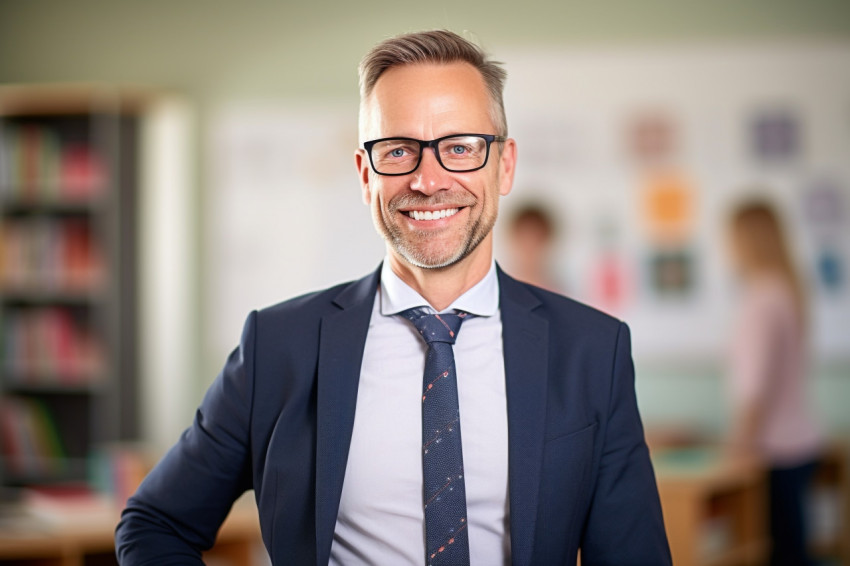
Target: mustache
{"type": "Point", "coordinates": [414, 200]}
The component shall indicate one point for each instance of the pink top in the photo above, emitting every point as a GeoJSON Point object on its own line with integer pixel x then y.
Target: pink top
{"type": "Point", "coordinates": [769, 367]}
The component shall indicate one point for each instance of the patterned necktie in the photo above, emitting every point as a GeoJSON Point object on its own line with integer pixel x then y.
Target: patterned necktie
{"type": "Point", "coordinates": [444, 493]}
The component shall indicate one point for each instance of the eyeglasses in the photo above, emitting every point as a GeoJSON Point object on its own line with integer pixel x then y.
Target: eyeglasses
{"type": "Point", "coordinates": [458, 153]}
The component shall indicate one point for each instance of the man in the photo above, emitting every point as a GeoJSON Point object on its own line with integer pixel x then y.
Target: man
{"type": "Point", "coordinates": [531, 236]}
{"type": "Point", "coordinates": [373, 431]}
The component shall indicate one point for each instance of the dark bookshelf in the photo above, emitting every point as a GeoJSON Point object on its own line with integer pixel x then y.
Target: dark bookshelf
{"type": "Point", "coordinates": [68, 188]}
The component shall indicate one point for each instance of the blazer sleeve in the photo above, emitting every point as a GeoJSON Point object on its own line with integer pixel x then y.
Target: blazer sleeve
{"type": "Point", "coordinates": [177, 511]}
{"type": "Point", "coordinates": [625, 524]}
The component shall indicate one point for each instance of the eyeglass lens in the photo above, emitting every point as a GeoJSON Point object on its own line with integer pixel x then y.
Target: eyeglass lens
{"type": "Point", "coordinates": [401, 156]}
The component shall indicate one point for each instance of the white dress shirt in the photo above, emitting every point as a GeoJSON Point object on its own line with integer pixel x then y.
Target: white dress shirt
{"type": "Point", "coordinates": [381, 519]}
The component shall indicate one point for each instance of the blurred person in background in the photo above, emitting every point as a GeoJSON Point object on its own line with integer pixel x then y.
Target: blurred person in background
{"type": "Point", "coordinates": [768, 371]}
{"type": "Point", "coordinates": [531, 234]}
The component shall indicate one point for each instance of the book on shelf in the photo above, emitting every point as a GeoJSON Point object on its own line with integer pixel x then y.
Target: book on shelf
{"type": "Point", "coordinates": [30, 439]}
{"type": "Point", "coordinates": [82, 174]}
{"type": "Point", "coordinates": [119, 468]}
{"type": "Point", "coordinates": [37, 165]}
{"type": "Point", "coordinates": [50, 255]}
{"type": "Point", "coordinates": [50, 346]}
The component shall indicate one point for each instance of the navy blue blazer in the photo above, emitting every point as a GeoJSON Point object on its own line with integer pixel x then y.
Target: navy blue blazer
{"type": "Point", "coordinates": [278, 419]}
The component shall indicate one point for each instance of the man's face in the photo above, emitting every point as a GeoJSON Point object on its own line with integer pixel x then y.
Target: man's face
{"type": "Point", "coordinates": [428, 101]}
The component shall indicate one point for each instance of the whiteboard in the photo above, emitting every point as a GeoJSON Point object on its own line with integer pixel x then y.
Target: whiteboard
{"type": "Point", "coordinates": [285, 216]}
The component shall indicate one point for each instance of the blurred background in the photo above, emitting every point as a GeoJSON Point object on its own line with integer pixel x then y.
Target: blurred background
{"type": "Point", "coordinates": [165, 167]}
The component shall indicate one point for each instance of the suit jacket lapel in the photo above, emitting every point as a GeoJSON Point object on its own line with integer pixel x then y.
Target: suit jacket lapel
{"type": "Point", "coordinates": [526, 349]}
{"type": "Point", "coordinates": [341, 342]}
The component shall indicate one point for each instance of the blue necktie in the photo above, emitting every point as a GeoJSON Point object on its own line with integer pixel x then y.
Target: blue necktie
{"type": "Point", "coordinates": [444, 494]}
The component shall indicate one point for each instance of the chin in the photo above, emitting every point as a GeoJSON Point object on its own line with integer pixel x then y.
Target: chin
{"type": "Point", "coordinates": [434, 265]}
{"type": "Point", "coordinates": [435, 258]}
{"type": "Point", "coordinates": [430, 261]}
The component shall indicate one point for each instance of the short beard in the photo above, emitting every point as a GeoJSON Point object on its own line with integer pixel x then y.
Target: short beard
{"type": "Point", "coordinates": [406, 246]}
{"type": "Point", "coordinates": [416, 257]}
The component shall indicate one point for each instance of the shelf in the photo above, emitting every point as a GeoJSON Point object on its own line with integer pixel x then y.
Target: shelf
{"type": "Point", "coordinates": [44, 100]}
{"type": "Point", "coordinates": [65, 470]}
{"type": "Point", "coordinates": [68, 180]}
{"type": "Point", "coordinates": [83, 386]}
{"type": "Point", "coordinates": [49, 297]}
{"type": "Point", "coordinates": [51, 207]}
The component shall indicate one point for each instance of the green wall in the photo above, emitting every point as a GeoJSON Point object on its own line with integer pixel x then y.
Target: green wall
{"type": "Point", "coordinates": [274, 48]}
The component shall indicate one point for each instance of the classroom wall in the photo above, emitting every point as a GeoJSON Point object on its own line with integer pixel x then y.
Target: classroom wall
{"type": "Point", "coordinates": [222, 56]}
{"type": "Point", "coordinates": [268, 48]}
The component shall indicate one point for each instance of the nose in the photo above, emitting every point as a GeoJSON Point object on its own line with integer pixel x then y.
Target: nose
{"type": "Point", "coordinates": [430, 176]}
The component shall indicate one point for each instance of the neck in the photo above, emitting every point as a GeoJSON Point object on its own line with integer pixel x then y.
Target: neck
{"type": "Point", "coordinates": [442, 286]}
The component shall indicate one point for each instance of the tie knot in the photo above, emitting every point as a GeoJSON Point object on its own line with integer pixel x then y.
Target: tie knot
{"type": "Point", "coordinates": [435, 327]}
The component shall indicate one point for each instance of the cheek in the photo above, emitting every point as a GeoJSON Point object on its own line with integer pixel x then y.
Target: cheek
{"type": "Point", "coordinates": [491, 191]}
{"type": "Point", "coordinates": [384, 190]}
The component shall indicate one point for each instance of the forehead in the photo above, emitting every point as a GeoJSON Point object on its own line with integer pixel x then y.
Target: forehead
{"type": "Point", "coordinates": [428, 100]}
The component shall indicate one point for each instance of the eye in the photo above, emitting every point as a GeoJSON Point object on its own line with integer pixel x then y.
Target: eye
{"type": "Point", "coordinates": [459, 149]}
{"type": "Point", "coordinates": [397, 150]}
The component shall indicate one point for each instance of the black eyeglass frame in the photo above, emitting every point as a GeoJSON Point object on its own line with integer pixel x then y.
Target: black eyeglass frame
{"type": "Point", "coordinates": [489, 138]}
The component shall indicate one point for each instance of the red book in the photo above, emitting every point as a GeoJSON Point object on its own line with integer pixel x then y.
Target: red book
{"type": "Point", "coordinates": [77, 251]}
{"type": "Point", "coordinates": [63, 348]}
{"type": "Point", "coordinates": [82, 174]}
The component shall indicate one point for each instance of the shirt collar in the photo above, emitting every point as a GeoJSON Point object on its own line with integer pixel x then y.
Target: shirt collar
{"type": "Point", "coordinates": [396, 295]}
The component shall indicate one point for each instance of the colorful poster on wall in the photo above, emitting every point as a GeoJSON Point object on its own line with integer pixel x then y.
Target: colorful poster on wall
{"type": "Point", "coordinates": [669, 208]}
{"type": "Point", "coordinates": [825, 217]}
{"type": "Point", "coordinates": [672, 273]}
{"type": "Point", "coordinates": [610, 283]}
{"type": "Point", "coordinates": [830, 270]}
{"type": "Point", "coordinates": [776, 135]}
{"type": "Point", "coordinates": [652, 137]}
{"type": "Point", "coordinates": [824, 207]}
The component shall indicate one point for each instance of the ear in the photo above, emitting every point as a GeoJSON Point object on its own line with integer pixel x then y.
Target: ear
{"type": "Point", "coordinates": [507, 166]}
{"type": "Point", "coordinates": [361, 162]}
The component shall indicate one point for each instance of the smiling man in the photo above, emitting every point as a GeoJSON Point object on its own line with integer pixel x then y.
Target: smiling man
{"type": "Point", "coordinates": [434, 208]}
{"type": "Point", "coordinates": [436, 411]}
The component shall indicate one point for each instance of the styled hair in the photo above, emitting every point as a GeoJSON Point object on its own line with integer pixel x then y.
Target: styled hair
{"type": "Point", "coordinates": [759, 238]}
{"type": "Point", "coordinates": [436, 46]}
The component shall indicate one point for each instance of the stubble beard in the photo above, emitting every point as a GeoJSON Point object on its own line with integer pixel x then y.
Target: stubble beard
{"type": "Point", "coordinates": [414, 246]}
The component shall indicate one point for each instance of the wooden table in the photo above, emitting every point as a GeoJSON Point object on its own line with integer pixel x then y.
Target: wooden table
{"type": "Point", "coordinates": [713, 508]}
{"type": "Point", "coordinates": [90, 541]}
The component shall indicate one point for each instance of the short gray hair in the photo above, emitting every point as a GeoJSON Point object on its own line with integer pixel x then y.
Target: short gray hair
{"type": "Point", "coordinates": [436, 46]}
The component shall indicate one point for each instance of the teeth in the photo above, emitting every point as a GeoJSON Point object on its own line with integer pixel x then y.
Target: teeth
{"type": "Point", "coordinates": [433, 215]}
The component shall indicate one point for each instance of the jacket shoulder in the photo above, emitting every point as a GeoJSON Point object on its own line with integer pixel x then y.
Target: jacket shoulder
{"type": "Point", "coordinates": [573, 308]}
{"type": "Point", "coordinates": [557, 307]}
{"type": "Point", "coordinates": [317, 303]}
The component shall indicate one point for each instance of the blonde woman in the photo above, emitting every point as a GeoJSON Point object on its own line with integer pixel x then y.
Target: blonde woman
{"type": "Point", "coordinates": [768, 373]}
